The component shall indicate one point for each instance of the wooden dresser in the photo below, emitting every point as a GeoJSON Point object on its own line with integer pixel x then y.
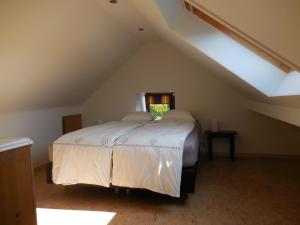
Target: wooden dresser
{"type": "Point", "coordinates": [17, 200]}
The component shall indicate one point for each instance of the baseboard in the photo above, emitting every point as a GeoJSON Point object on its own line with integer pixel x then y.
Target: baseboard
{"type": "Point", "coordinates": [253, 155]}
{"type": "Point", "coordinates": [272, 156]}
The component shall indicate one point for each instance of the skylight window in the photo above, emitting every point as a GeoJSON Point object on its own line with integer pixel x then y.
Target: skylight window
{"type": "Point", "coordinates": [252, 45]}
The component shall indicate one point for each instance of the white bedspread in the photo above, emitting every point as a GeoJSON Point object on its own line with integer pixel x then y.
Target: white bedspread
{"type": "Point", "coordinates": [151, 157]}
{"type": "Point", "coordinates": [85, 156]}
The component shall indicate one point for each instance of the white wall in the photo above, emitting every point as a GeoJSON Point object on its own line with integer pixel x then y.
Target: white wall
{"type": "Point", "coordinates": [42, 126]}
{"type": "Point", "coordinates": [158, 67]}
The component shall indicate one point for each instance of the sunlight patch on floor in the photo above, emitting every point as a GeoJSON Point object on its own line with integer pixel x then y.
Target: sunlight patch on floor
{"type": "Point", "coordinates": [74, 217]}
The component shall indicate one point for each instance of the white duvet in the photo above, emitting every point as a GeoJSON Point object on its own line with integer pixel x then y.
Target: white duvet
{"type": "Point", "coordinates": [85, 156]}
{"type": "Point", "coordinates": [150, 157]}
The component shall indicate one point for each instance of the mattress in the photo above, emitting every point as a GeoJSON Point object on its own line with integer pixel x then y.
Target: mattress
{"type": "Point", "coordinates": [190, 152]}
{"type": "Point", "coordinates": [191, 149]}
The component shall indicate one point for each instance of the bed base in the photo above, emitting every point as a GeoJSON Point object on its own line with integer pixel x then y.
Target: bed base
{"type": "Point", "coordinates": [188, 178]}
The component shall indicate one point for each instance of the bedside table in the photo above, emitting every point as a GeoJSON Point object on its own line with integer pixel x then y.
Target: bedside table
{"type": "Point", "coordinates": [230, 135]}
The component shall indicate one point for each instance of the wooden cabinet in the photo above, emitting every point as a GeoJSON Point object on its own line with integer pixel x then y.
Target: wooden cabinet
{"type": "Point", "coordinates": [17, 201]}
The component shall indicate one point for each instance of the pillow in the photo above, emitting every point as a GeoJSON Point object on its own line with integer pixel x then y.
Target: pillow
{"type": "Point", "coordinates": [178, 115]}
{"type": "Point", "coordinates": [138, 116]}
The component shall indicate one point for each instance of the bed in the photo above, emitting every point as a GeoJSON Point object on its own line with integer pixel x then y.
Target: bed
{"type": "Point", "coordinates": [152, 156]}
{"type": "Point", "coordinates": [84, 156]}
{"type": "Point", "coordinates": [102, 167]}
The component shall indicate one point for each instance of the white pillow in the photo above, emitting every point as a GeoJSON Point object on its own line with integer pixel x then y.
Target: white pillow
{"type": "Point", "coordinates": [138, 116]}
{"type": "Point", "coordinates": [176, 114]}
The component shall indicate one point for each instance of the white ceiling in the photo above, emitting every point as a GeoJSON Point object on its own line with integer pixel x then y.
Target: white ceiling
{"type": "Point", "coordinates": [56, 53]}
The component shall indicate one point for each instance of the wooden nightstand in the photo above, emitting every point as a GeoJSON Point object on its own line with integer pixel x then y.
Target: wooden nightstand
{"type": "Point", "coordinates": [222, 134]}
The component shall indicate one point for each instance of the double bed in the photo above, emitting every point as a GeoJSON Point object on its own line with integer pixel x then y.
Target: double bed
{"type": "Point", "coordinates": [135, 152]}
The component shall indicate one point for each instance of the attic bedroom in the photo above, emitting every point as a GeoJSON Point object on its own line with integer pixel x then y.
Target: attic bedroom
{"type": "Point", "coordinates": [119, 112]}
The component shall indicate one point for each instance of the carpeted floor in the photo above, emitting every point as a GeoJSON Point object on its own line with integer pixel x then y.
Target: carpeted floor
{"type": "Point", "coordinates": [247, 192]}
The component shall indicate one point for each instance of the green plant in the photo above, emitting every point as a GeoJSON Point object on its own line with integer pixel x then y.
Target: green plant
{"type": "Point", "coordinates": [159, 110]}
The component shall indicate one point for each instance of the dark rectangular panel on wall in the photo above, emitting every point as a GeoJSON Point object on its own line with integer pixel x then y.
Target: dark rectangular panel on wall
{"type": "Point", "coordinates": [71, 123]}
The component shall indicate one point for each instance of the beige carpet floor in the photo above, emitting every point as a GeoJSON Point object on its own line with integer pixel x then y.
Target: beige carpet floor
{"type": "Point", "coordinates": [246, 192]}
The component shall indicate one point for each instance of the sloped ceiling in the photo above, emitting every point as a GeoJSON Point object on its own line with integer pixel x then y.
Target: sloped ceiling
{"type": "Point", "coordinates": [152, 11]}
{"type": "Point", "coordinates": [166, 22]}
{"type": "Point", "coordinates": [56, 53]}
